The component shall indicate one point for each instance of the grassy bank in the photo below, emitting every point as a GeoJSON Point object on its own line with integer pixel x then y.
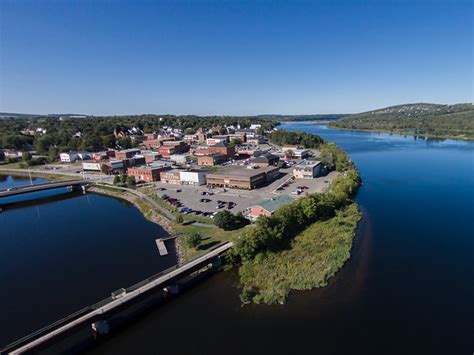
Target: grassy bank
{"type": "Point", "coordinates": [314, 256]}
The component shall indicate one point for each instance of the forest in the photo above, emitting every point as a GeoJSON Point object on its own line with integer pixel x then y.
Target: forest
{"type": "Point", "coordinates": [427, 120]}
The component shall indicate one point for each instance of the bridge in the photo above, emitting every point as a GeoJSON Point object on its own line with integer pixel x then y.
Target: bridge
{"type": "Point", "coordinates": [42, 187]}
{"type": "Point", "coordinates": [93, 315]}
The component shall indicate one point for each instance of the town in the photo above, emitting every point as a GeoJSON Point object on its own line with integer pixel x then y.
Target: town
{"type": "Point", "coordinates": [204, 172]}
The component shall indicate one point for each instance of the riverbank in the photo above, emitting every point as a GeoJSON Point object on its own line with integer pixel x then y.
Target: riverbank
{"type": "Point", "coordinates": [400, 133]}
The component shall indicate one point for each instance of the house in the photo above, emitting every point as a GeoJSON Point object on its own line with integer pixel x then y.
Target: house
{"type": "Point", "coordinates": [192, 177]}
{"type": "Point", "coordinates": [240, 177]}
{"type": "Point", "coordinates": [307, 169]}
{"type": "Point", "coordinates": [126, 153]}
{"type": "Point", "coordinates": [249, 133]}
{"type": "Point", "coordinates": [268, 207]}
{"type": "Point", "coordinates": [211, 160]}
{"type": "Point", "coordinates": [83, 155]}
{"type": "Point", "coordinates": [146, 173]}
{"type": "Point", "coordinates": [70, 157]}
{"type": "Point", "coordinates": [264, 160]}
{"type": "Point", "coordinates": [301, 153]}
{"type": "Point", "coordinates": [171, 176]}
{"type": "Point", "coordinates": [91, 166]}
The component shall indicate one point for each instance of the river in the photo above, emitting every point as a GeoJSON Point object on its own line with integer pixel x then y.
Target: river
{"type": "Point", "coordinates": [407, 289]}
{"type": "Point", "coordinates": [67, 252]}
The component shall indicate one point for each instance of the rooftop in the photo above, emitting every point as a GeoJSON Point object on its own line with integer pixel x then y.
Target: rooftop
{"type": "Point", "coordinates": [272, 204]}
{"type": "Point", "coordinates": [242, 171]}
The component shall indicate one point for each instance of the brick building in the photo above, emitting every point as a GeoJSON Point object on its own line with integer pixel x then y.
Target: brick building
{"type": "Point", "coordinates": [146, 173]}
{"type": "Point", "coordinates": [242, 177]}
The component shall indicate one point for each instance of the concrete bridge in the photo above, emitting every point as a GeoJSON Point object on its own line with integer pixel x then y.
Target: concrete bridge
{"type": "Point", "coordinates": [96, 316]}
{"type": "Point", "coordinates": [42, 187]}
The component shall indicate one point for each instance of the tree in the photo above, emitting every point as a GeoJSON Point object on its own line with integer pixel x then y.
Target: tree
{"type": "Point", "coordinates": [26, 156]}
{"type": "Point", "coordinates": [179, 218]}
{"type": "Point", "coordinates": [229, 221]}
{"type": "Point", "coordinates": [2, 156]}
{"type": "Point", "coordinates": [53, 154]}
{"type": "Point", "coordinates": [130, 181]}
{"type": "Point", "coordinates": [117, 180]}
{"type": "Point", "coordinates": [193, 240]}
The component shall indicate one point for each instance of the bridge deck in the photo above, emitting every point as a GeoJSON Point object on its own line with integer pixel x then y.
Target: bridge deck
{"type": "Point", "coordinates": [42, 187]}
{"type": "Point", "coordinates": [121, 300]}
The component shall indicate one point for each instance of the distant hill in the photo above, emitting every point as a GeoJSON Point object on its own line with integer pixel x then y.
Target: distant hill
{"type": "Point", "coordinates": [431, 120]}
{"type": "Point", "coordinates": [33, 115]}
{"type": "Point", "coordinates": [314, 117]}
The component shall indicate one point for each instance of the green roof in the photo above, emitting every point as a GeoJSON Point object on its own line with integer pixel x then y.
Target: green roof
{"type": "Point", "coordinates": [272, 204]}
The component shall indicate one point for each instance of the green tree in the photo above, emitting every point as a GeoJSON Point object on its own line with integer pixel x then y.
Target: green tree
{"type": "Point", "coordinates": [130, 181]}
{"type": "Point", "coordinates": [26, 156]}
{"type": "Point", "coordinates": [229, 221]}
{"type": "Point", "coordinates": [194, 240]}
{"type": "Point", "coordinates": [179, 218]}
{"type": "Point", "coordinates": [117, 180]}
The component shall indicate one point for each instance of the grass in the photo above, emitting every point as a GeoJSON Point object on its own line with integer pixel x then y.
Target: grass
{"type": "Point", "coordinates": [315, 255]}
{"type": "Point", "coordinates": [211, 236]}
{"type": "Point", "coordinates": [17, 165]}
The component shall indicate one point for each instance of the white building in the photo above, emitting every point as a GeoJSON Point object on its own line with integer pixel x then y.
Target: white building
{"type": "Point", "coordinates": [192, 177]}
{"type": "Point", "coordinates": [91, 166]}
{"type": "Point", "coordinates": [307, 169]}
{"type": "Point", "coordinates": [70, 157]}
{"type": "Point", "coordinates": [181, 159]}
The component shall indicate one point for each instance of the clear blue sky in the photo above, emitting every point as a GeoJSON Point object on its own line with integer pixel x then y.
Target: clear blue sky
{"type": "Point", "coordinates": [232, 57]}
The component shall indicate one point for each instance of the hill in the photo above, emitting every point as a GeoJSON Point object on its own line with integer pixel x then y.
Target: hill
{"type": "Point", "coordinates": [430, 120]}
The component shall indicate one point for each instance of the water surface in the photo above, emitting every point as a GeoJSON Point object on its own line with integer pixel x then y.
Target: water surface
{"type": "Point", "coordinates": [408, 288]}
{"type": "Point", "coordinates": [68, 252]}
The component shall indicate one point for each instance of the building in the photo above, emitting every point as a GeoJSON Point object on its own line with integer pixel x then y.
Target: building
{"type": "Point", "coordinates": [126, 153]}
{"type": "Point", "coordinates": [114, 164]}
{"type": "Point", "coordinates": [150, 136]}
{"type": "Point", "coordinates": [307, 169]}
{"type": "Point", "coordinates": [293, 147]}
{"type": "Point", "coordinates": [301, 153]}
{"type": "Point", "coordinates": [181, 159]}
{"type": "Point", "coordinates": [249, 133]}
{"type": "Point", "coordinates": [146, 173]}
{"type": "Point", "coordinates": [256, 140]}
{"type": "Point", "coordinates": [264, 160]}
{"type": "Point", "coordinates": [91, 166]}
{"type": "Point", "coordinates": [152, 143]}
{"type": "Point", "coordinates": [151, 156]}
{"type": "Point", "coordinates": [173, 147]}
{"type": "Point", "coordinates": [218, 148]}
{"type": "Point", "coordinates": [70, 157]}
{"type": "Point", "coordinates": [171, 176]}
{"type": "Point", "coordinates": [240, 177]}
{"type": "Point", "coordinates": [211, 160]}
{"type": "Point", "coordinates": [217, 139]}
{"type": "Point", "coordinates": [268, 207]}
{"type": "Point", "coordinates": [192, 177]}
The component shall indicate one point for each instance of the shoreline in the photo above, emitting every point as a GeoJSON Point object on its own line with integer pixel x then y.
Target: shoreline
{"type": "Point", "coordinates": [399, 133]}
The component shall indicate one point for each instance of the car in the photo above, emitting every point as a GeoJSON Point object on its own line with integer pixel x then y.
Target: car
{"type": "Point", "coordinates": [197, 212]}
{"type": "Point", "coordinates": [161, 189]}
{"type": "Point", "coordinates": [219, 206]}
{"type": "Point", "coordinates": [295, 192]}
{"type": "Point", "coordinates": [204, 200]}
{"type": "Point", "coordinates": [326, 181]}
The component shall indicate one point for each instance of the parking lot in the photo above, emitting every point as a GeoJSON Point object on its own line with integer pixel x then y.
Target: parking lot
{"type": "Point", "coordinates": [207, 200]}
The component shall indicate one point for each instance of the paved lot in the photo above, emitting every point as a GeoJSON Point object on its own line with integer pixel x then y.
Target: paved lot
{"type": "Point", "coordinates": [190, 196]}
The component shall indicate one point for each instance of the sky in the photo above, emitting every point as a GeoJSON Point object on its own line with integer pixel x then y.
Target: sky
{"type": "Point", "coordinates": [106, 57]}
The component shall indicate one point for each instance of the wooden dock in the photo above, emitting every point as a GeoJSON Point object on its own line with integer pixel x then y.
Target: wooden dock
{"type": "Point", "coordinates": [161, 247]}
